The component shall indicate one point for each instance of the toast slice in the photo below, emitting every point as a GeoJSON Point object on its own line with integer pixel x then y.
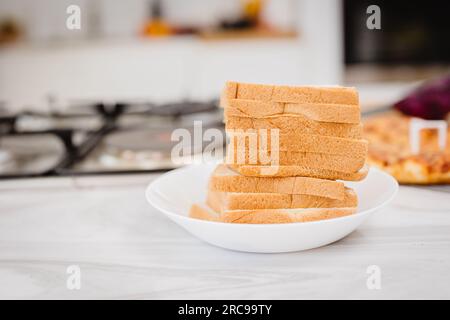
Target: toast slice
{"type": "Point", "coordinates": [265, 216]}
{"type": "Point", "coordinates": [354, 148]}
{"type": "Point", "coordinates": [262, 92]}
{"type": "Point", "coordinates": [296, 171]}
{"type": "Point", "coordinates": [223, 201]}
{"type": "Point", "coordinates": [332, 162]}
{"type": "Point", "coordinates": [295, 125]}
{"type": "Point", "coordinates": [225, 179]}
{"type": "Point", "coordinates": [335, 113]}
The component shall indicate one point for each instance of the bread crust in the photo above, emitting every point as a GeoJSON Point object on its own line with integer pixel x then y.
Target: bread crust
{"type": "Point", "coordinates": [269, 216]}
{"type": "Point", "coordinates": [224, 179]}
{"type": "Point", "coordinates": [306, 94]}
{"type": "Point", "coordinates": [354, 148]}
{"type": "Point", "coordinates": [332, 162]}
{"type": "Point", "coordinates": [198, 211]}
{"type": "Point", "coordinates": [224, 201]}
{"type": "Point", "coordinates": [295, 125]}
{"type": "Point", "coordinates": [294, 171]}
{"type": "Point", "coordinates": [335, 113]}
{"type": "Point", "coordinates": [290, 179]}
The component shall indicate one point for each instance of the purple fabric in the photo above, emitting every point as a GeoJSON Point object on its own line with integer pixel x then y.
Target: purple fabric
{"type": "Point", "coordinates": [431, 101]}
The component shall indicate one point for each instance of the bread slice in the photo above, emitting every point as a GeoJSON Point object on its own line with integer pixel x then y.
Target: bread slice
{"type": "Point", "coordinates": [223, 201]}
{"type": "Point", "coordinates": [347, 164]}
{"type": "Point", "coordinates": [225, 179]}
{"type": "Point", "coordinates": [261, 92]}
{"type": "Point", "coordinates": [336, 113]}
{"type": "Point", "coordinates": [295, 125]}
{"type": "Point", "coordinates": [354, 148]}
{"type": "Point", "coordinates": [266, 216]}
{"type": "Point", "coordinates": [295, 171]}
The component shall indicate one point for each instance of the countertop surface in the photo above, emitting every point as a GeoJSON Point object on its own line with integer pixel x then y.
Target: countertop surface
{"type": "Point", "coordinates": [123, 248]}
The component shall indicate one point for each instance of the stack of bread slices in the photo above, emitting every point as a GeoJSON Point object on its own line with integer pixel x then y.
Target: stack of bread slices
{"type": "Point", "coordinates": [288, 146]}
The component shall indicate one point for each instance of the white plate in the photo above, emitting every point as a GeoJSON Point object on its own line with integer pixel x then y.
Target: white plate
{"type": "Point", "coordinates": [174, 192]}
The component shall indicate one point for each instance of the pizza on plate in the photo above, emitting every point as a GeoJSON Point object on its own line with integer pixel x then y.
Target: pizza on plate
{"type": "Point", "coordinates": [390, 150]}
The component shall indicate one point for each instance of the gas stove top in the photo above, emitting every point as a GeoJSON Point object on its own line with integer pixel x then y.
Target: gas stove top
{"type": "Point", "coordinates": [99, 138]}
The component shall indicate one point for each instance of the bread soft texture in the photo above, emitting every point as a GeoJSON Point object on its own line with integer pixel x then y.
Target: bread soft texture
{"type": "Point", "coordinates": [336, 113]}
{"type": "Point", "coordinates": [286, 172]}
{"type": "Point", "coordinates": [225, 179]}
{"type": "Point", "coordinates": [261, 92]}
{"type": "Point", "coordinates": [332, 162]}
{"type": "Point", "coordinates": [300, 171]}
{"type": "Point", "coordinates": [223, 201]}
{"type": "Point", "coordinates": [266, 216]}
{"type": "Point", "coordinates": [295, 125]}
{"type": "Point", "coordinates": [354, 148]}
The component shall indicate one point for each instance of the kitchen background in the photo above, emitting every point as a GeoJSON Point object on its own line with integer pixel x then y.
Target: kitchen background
{"type": "Point", "coordinates": [85, 123]}
{"type": "Point", "coordinates": [106, 97]}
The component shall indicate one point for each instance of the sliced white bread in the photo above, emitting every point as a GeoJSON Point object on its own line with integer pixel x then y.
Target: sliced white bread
{"type": "Point", "coordinates": [347, 164]}
{"type": "Point", "coordinates": [295, 171]}
{"type": "Point", "coordinates": [295, 125]}
{"type": "Point", "coordinates": [223, 201]}
{"type": "Point", "coordinates": [335, 113]}
{"type": "Point", "coordinates": [297, 94]}
{"type": "Point", "coordinates": [266, 216]}
{"type": "Point", "coordinates": [355, 148]}
{"type": "Point", "coordinates": [224, 179]}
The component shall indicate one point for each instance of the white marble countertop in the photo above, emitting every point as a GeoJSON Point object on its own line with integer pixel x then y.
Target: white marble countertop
{"type": "Point", "coordinates": [125, 249]}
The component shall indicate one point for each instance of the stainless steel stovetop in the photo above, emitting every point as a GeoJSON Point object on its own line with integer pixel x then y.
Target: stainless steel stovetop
{"type": "Point", "coordinates": [98, 138]}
